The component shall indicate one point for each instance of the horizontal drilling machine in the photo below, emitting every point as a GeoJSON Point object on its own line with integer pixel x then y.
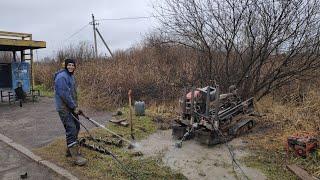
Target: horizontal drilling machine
{"type": "Point", "coordinates": [212, 118]}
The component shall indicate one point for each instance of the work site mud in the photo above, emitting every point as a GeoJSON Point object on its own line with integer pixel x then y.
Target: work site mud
{"type": "Point", "coordinates": [41, 127]}
{"type": "Point", "coordinates": [198, 161]}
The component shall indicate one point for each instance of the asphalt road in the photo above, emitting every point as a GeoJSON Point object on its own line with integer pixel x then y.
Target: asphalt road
{"type": "Point", "coordinates": [36, 124]}
{"type": "Point", "coordinates": [33, 125]}
{"type": "Point", "coordinates": [13, 164]}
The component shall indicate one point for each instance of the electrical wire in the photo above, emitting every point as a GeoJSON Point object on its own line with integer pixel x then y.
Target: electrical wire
{"type": "Point", "coordinates": [108, 19]}
{"type": "Point", "coordinates": [124, 18]}
{"type": "Point", "coordinates": [114, 19]}
{"type": "Point", "coordinates": [78, 31]}
{"type": "Point", "coordinates": [132, 18]}
{"type": "Point", "coordinates": [232, 154]}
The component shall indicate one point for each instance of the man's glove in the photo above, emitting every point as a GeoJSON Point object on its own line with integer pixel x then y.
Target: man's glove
{"type": "Point", "coordinates": [77, 111]}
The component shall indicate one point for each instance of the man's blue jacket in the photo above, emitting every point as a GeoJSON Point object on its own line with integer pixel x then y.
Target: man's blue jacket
{"type": "Point", "coordinates": [65, 91]}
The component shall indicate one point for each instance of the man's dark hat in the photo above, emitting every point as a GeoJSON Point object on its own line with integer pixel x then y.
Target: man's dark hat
{"type": "Point", "coordinates": [66, 61]}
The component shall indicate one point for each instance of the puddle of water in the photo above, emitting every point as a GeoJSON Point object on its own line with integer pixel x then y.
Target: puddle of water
{"type": "Point", "coordinates": [194, 160]}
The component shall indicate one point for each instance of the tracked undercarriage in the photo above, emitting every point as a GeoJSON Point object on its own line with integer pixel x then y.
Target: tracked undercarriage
{"type": "Point", "coordinates": [212, 118]}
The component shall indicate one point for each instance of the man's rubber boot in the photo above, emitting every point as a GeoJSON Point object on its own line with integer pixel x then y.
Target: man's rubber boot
{"type": "Point", "coordinates": [68, 153]}
{"type": "Point", "coordinates": [76, 157]}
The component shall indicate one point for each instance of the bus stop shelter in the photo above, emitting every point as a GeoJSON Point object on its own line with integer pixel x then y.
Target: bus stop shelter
{"type": "Point", "coordinates": [18, 72]}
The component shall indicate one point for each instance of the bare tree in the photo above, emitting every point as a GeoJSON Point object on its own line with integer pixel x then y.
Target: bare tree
{"type": "Point", "coordinates": [259, 45]}
{"type": "Point", "coordinates": [81, 52]}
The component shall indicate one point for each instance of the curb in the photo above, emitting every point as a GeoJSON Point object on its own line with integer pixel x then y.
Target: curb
{"type": "Point", "coordinates": [59, 170]}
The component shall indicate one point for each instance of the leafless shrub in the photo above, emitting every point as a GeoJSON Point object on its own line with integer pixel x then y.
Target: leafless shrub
{"type": "Point", "coordinates": [260, 46]}
{"type": "Point", "coordinates": [81, 51]}
{"type": "Point", "coordinates": [257, 45]}
{"type": "Point", "coordinates": [154, 72]}
{"type": "Point", "coordinates": [44, 72]}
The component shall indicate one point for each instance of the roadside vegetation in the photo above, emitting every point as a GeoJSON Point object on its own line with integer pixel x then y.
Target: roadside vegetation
{"type": "Point", "coordinates": [283, 117]}
{"type": "Point", "coordinates": [269, 50]}
{"type": "Point", "coordinates": [104, 84]}
{"type": "Point", "coordinates": [103, 166]}
{"type": "Point", "coordinates": [44, 91]}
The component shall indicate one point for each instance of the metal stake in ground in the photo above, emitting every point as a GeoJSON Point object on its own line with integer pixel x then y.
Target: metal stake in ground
{"type": "Point", "coordinates": [130, 114]}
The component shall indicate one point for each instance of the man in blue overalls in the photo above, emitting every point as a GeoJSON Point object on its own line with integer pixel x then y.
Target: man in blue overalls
{"type": "Point", "coordinates": [66, 105]}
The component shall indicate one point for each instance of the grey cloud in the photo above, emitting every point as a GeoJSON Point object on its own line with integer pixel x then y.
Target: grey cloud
{"type": "Point", "coordinates": [55, 20]}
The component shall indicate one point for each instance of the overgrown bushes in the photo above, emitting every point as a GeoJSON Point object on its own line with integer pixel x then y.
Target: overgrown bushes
{"type": "Point", "coordinates": [154, 71]}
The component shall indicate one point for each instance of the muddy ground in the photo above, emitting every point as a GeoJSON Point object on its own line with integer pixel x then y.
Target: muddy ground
{"type": "Point", "coordinates": [37, 124]}
{"type": "Point", "coordinates": [197, 161]}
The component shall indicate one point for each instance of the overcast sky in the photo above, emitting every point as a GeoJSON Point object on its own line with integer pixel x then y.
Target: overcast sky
{"type": "Point", "coordinates": [54, 21]}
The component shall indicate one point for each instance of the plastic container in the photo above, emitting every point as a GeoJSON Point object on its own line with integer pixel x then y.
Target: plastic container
{"type": "Point", "coordinates": [139, 108]}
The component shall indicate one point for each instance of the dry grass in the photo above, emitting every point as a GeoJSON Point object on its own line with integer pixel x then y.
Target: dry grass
{"type": "Point", "coordinates": [104, 83]}
{"type": "Point", "coordinates": [157, 76]}
{"type": "Point", "coordinates": [154, 71]}
{"type": "Point", "coordinates": [163, 114]}
{"type": "Point", "coordinates": [104, 167]}
{"type": "Point", "coordinates": [280, 121]}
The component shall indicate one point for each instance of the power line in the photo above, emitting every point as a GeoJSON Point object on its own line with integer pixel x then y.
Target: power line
{"type": "Point", "coordinates": [78, 31]}
{"type": "Point", "coordinates": [113, 19]}
{"type": "Point", "coordinates": [125, 18]}
{"type": "Point", "coordinates": [131, 18]}
{"type": "Point", "coordinates": [109, 19]}
{"type": "Point", "coordinates": [143, 17]}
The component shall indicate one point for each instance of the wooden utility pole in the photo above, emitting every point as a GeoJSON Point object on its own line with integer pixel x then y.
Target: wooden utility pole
{"type": "Point", "coordinates": [93, 23]}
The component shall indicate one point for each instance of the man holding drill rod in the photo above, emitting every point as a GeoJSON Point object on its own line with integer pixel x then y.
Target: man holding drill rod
{"type": "Point", "coordinates": [66, 105]}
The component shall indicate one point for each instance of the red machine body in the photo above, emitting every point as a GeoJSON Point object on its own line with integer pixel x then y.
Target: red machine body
{"type": "Point", "coordinates": [302, 143]}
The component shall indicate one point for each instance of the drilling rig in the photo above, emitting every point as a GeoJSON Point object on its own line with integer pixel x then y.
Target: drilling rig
{"type": "Point", "coordinates": [212, 118]}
